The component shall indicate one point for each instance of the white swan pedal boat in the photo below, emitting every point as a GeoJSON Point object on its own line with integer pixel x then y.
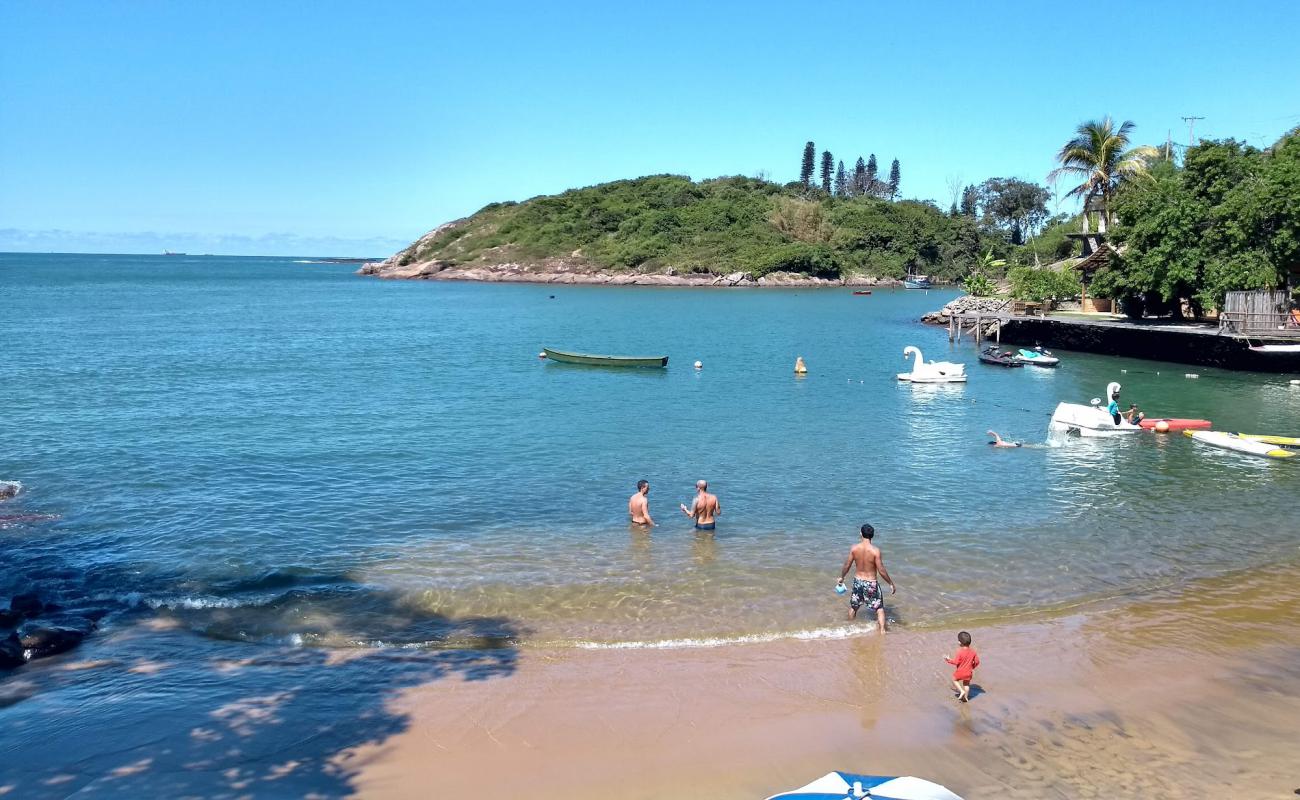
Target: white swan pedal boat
{"type": "Point", "coordinates": [1075, 419]}
{"type": "Point", "coordinates": [933, 372]}
{"type": "Point", "coordinates": [1232, 441]}
{"type": "Point", "coordinates": [847, 786]}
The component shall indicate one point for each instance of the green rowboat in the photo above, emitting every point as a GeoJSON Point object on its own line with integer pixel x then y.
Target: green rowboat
{"type": "Point", "coordinates": [605, 361]}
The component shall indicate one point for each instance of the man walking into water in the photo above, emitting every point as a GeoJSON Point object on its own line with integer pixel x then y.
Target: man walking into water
{"type": "Point", "coordinates": [866, 558]}
{"type": "Point", "coordinates": [704, 508]}
{"type": "Point", "coordinates": [638, 507]}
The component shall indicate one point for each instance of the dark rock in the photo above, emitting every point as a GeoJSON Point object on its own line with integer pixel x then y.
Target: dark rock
{"type": "Point", "coordinates": [39, 641]}
{"type": "Point", "coordinates": [9, 489]}
{"type": "Point", "coordinates": [10, 619]}
{"type": "Point", "coordinates": [11, 652]}
{"type": "Point", "coordinates": [28, 604]}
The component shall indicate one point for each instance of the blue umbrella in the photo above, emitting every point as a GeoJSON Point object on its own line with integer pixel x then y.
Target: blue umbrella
{"type": "Point", "coordinates": [847, 786]}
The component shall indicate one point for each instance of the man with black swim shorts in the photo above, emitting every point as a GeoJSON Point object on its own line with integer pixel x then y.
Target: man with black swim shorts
{"type": "Point", "coordinates": [869, 563]}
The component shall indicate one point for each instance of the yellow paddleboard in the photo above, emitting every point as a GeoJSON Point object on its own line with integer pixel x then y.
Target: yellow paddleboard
{"type": "Point", "coordinates": [1284, 441]}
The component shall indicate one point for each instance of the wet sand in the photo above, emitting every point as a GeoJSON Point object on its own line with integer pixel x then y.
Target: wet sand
{"type": "Point", "coordinates": [1187, 693]}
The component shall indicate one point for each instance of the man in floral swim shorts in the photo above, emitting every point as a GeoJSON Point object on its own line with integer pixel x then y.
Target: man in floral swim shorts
{"type": "Point", "coordinates": [866, 557]}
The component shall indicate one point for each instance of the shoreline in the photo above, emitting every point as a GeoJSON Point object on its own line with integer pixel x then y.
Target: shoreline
{"type": "Point", "coordinates": [560, 273]}
{"type": "Point", "coordinates": [1105, 703]}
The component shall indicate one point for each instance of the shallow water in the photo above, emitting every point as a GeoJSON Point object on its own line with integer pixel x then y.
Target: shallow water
{"type": "Point", "coordinates": [265, 450]}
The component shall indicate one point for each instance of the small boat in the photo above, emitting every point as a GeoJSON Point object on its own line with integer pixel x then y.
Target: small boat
{"type": "Point", "coordinates": [990, 355]}
{"type": "Point", "coordinates": [1278, 349]}
{"type": "Point", "coordinates": [868, 291]}
{"type": "Point", "coordinates": [1038, 357]}
{"type": "Point", "coordinates": [847, 786]}
{"type": "Point", "coordinates": [1076, 419]}
{"type": "Point", "coordinates": [917, 282]}
{"type": "Point", "coordinates": [1231, 441]}
{"type": "Point", "coordinates": [1281, 441]}
{"type": "Point", "coordinates": [933, 372]}
{"type": "Point", "coordinates": [170, 253]}
{"type": "Point", "coordinates": [1175, 424]}
{"type": "Point", "coordinates": [605, 361]}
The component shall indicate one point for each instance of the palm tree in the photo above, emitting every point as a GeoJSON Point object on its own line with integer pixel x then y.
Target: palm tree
{"type": "Point", "coordinates": [1100, 155]}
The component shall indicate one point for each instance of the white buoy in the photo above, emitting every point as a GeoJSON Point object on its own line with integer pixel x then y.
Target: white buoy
{"type": "Point", "coordinates": [699, 365]}
{"type": "Point", "coordinates": [1295, 383]}
{"type": "Point", "coordinates": [541, 355]}
{"type": "Point", "coordinates": [1191, 375]}
{"type": "Point", "coordinates": [1124, 371]}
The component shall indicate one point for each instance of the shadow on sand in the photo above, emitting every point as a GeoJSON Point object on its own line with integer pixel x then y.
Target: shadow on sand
{"type": "Point", "coordinates": [149, 709]}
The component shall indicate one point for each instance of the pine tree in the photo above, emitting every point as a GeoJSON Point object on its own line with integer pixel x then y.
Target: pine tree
{"type": "Point", "coordinates": [828, 164]}
{"type": "Point", "coordinates": [969, 201]}
{"type": "Point", "coordinates": [893, 180]}
{"type": "Point", "coordinates": [871, 171]}
{"type": "Point", "coordinates": [860, 177]}
{"type": "Point", "coordinates": [809, 163]}
{"type": "Point", "coordinates": [841, 181]}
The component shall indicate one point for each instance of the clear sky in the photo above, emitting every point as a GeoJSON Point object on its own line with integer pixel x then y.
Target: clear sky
{"type": "Point", "coordinates": [330, 128]}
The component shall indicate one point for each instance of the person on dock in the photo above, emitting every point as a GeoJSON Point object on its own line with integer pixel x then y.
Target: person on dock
{"type": "Point", "coordinates": [638, 506]}
{"type": "Point", "coordinates": [999, 442]}
{"type": "Point", "coordinates": [868, 563]}
{"type": "Point", "coordinates": [965, 660]}
{"type": "Point", "coordinates": [704, 509]}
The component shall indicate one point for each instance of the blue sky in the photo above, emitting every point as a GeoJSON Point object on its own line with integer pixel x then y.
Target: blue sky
{"type": "Point", "coordinates": [352, 128]}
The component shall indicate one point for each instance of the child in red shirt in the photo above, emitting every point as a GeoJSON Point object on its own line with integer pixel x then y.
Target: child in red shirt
{"type": "Point", "coordinates": [965, 660]}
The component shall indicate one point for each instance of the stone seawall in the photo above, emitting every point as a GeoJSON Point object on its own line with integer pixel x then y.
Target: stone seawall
{"type": "Point", "coordinates": [1180, 344]}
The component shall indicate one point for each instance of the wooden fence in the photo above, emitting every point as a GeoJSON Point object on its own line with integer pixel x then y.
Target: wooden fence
{"type": "Point", "coordinates": [1259, 313]}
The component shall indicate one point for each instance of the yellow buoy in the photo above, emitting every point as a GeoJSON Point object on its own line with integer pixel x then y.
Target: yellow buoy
{"type": "Point", "coordinates": [799, 368]}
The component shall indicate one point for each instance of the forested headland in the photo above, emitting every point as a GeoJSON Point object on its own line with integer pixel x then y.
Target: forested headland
{"type": "Point", "coordinates": [1185, 225]}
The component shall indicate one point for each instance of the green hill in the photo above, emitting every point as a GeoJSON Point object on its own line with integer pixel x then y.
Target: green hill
{"type": "Point", "coordinates": [669, 223]}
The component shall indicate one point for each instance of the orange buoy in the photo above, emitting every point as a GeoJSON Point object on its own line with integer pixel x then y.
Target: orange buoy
{"type": "Point", "coordinates": [1162, 426]}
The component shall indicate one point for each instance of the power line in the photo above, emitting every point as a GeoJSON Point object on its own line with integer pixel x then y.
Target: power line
{"type": "Point", "coordinates": [1191, 126]}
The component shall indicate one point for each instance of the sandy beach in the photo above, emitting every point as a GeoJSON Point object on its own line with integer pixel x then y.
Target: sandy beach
{"type": "Point", "coordinates": [1185, 693]}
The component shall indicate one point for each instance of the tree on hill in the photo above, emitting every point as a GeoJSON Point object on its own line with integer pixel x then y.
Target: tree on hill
{"type": "Point", "coordinates": [860, 177]}
{"type": "Point", "coordinates": [969, 201]}
{"type": "Point", "coordinates": [1014, 206]}
{"type": "Point", "coordinates": [841, 181]}
{"type": "Point", "coordinates": [828, 167]}
{"type": "Point", "coordinates": [871, 172]}
{"type": "Point", "coordinates": [809, 160]}
{"type": "Point", "coordinates": [1100, 155]}
{"type": "Point", "coordinates": [893, 180]}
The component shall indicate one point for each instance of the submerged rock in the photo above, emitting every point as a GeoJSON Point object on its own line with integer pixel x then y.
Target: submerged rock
{"type": "Point", "coordinates": [9, 489]}
{"type": "Point", "coordinates": [11, 652]}
{"type": "Point", "coordinates": [28, 604]}
{"type": "Point", "coordinates": [39, 641]}
{"type": "Point", "coordinates": [10, 618]}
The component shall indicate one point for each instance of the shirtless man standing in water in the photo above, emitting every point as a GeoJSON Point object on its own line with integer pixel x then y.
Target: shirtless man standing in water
{"type": "Point", "coordinates": [704, 508]}
{"type": "Point", "coordinates": [638, 507]}
{"type": "Point", "coordinates": [866, 591]}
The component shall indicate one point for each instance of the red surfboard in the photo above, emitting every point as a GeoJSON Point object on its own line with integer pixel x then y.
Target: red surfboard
{"type": "Point", "coordinates": [1178, 424]}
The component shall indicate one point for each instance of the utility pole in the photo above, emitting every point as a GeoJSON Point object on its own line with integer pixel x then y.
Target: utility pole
{"type": "Point", "coordinates": [1191, 126]}
{"type": "Point", "coordinates": [1169, 142]}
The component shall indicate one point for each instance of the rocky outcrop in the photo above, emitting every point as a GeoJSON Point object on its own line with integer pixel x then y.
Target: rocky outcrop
{"type": "Point", "coordinates": [968, 304]}
{"type": "Point", "coordinates": [55, 631]}
{"type": "Point", "coordinates": [9, 489]}
{"type": "Point", "coordinates": [568, 272]}
{"type": "Point", "coordinates": [11, 652]}
{"type": "Point", "coordinates": [40, 640]}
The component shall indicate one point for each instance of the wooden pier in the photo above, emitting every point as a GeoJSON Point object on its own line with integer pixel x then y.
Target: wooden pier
{"type": "Point", "coordinates": [958, 324]}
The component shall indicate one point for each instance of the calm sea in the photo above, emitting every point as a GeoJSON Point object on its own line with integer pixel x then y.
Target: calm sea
{"type": "Point", "coordinates": [278, 450]}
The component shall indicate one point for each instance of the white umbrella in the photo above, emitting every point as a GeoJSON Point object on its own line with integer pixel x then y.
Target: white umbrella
{"type": "Point", "coordinates": [846, 786]}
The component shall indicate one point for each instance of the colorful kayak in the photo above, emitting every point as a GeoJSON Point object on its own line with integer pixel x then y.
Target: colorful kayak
{"type": "Point", "coordinates": [1231, 441]}
{"type": "Point", "coordinates": [1178, 424]}
{"type": "Point", "coordinates": [1283, 441]}
{"type": "Point", "coordinates": [605, 361]}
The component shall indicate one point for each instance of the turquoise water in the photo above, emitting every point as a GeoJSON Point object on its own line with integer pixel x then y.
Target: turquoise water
{"type": "Point", "coordinates": [277, 451]}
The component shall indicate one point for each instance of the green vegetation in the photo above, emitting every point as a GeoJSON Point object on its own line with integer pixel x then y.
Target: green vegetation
{"type": "Point", "coordinates": [664, 222]}
{"type": "Point", "coordinates": [1032, 283]}
{"type": "Point", "coordinates": [1228, 218]}
{"type": "Point", "coordinates": [1100, 155]}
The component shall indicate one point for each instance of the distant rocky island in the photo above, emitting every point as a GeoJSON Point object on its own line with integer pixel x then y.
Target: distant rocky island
{"type": "Point", "coordinates": [667, 230]}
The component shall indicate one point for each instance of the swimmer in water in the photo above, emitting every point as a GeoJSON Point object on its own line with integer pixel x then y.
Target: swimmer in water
{"type": "Point", "coordinates": [997, 441]}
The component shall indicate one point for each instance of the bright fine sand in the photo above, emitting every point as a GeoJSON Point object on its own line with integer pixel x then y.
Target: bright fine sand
{"type": "Point", "coordinates": [1182, 694]}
